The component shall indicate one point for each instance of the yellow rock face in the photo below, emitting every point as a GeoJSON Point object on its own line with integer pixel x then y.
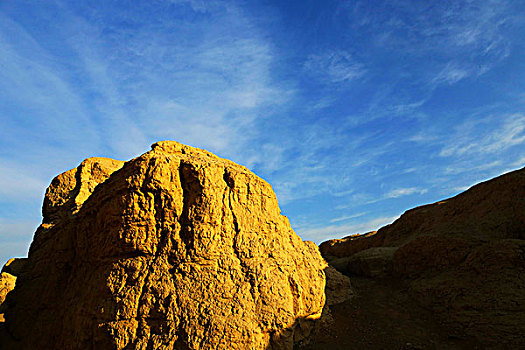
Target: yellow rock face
{"type": "Point", "coordinates": [7, 284]}
{"type": "Point", "coordinates": [175, 249]}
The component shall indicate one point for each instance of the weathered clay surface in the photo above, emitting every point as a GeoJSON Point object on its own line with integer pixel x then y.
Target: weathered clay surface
{"type": "Point", "coordinates": [175, 249]}
{"type": "Point", "coordinates": [462, 258]}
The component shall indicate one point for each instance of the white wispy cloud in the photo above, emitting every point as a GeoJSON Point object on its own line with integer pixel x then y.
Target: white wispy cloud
{"type": "Point", "coordinates": [347, 217]}
{"type": "Point", "coordinates": [354, 200]}
{"type": "Point", "coordinates": [397, 193]}
{"type": "Point", "coordinates": [498, 134]}
{"type": "Point", "coordinates": [314, 169]}
{"type": "Point", "coordinates": [320, 234]}
{"type": "Point", "coordinates": [519, 163]}
{"type": "Point", "coordinates": [17, 183]}
{"type": "Point", "coordinates": [473, 38]}
{"type": "Point", "coordinates": [455, 40]}
{"type": "Point", "coordinates": [451, 74]}
{"type": "Point", "coordinates": [461, 188]}
{"type": "Point", "coordinates": [31, 77]}
{"type": "Point", "coordinates": [196, 5]}
{"type": "Point", "coordinates": [400, 192]}
{"type": "Point", "coordinates": [145, 86]}
{"type": "Point", "coordinates": [334, 67]}
{"type": "Point", "coordinates": [206, 92]}
{"type": "Point", "coordinates": [459, 170]}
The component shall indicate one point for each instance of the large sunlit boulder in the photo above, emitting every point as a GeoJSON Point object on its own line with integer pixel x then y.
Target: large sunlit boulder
{"type": "Point", "coordinates": [175, 249]}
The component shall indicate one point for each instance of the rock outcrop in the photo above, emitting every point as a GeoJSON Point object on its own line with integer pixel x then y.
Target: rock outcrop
{"type": "Point", "coordinates": [462, 258]}
{"type": "Point", "coordinates": [7, 284]}
{"type": "Point", "coordinates": [175, 249]}
{"type": "Point", "coordinates": [372, 262]}
{"type": "Point", "coordinates": [10, 271]}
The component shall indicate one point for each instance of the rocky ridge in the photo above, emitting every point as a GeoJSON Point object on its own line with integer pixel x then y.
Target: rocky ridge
{"type": "Point", "coordinates": [461, 259]}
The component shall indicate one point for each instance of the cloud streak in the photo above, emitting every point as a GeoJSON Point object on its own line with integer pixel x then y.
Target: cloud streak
{"type": "Point", "coordinates": [400, 192]}
{"type": "Point", "coordinates": [334, 67]}
{"type": "Point", "coordinates": [347, 217]}
{"type": "Point", "coordinates": [320, 234]}
{"type": "Point", "coordinates": [506, 131]}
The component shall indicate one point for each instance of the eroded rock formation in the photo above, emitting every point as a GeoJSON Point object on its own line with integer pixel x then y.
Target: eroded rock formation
{"type": "Point", "coordinates": [462, 258]}
{"type": "Point", "coordinates": [8, 276]}
{"type": "Point", "coordinates": [177, 248]}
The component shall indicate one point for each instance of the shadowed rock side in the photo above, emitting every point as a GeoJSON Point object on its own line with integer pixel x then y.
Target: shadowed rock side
{"type": "Point", "coordinates": [175, 249]}
{"type": "Point", "coordinates": [462, 259]}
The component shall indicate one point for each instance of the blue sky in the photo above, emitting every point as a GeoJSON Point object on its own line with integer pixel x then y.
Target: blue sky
{"type": "Point", "coordinates": [354, 111]}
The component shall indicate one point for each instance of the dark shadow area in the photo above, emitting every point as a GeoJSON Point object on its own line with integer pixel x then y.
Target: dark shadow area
{"type": "Point", "coordinates": [382, 315]}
